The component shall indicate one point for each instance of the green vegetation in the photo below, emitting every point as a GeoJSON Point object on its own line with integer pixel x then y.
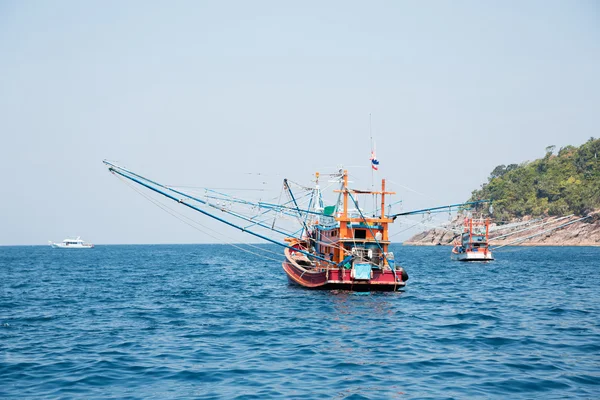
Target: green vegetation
{"type": "Point", "coordinates": [558, 184]}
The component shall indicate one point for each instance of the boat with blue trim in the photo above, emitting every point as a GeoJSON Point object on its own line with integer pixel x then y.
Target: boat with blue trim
{"type": "Point", "coordinates": [345, 249]}
{"type": "Point", "coordinates": [473, 242]}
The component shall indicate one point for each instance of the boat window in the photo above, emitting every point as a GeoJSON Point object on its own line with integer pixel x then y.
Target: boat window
{"type": "Point", "coordinates": [360, 234]}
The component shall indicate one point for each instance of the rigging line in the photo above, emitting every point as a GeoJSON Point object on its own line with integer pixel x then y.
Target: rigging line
{"type": "Point", "coordinates": [235, 214]}
{"type": "Point", "coordinates": [227, 197]}
{"type": "Point", "coordinates": [414, 191]}
{"type": "Point", "coordinates": [354, 178]}
{"type": "Point", "coordinates": [520, 248]}
{"type": "Point", "coordinates": [329, 184]}
{"type": "Point", "coordinates": [442, 208]}
{"type": "Point", "coordinates": [291, 194]}
{"type": "Point", "coordinates": [404, 230]}
{"type": "Point", "coordinates": [121, 171]}
{"type": "Point", "coordinates": [193, 223]}
{"type": "Point", "coordinates": [531, 227]}
{"type": "Point", "coordinates": [299, 185]}
{"type": "Point", "coordinates": [278, 201]}
{"type": "Point", "coordinates": [248, 219]}
{"type": "Point", "coordinates": [431, 226]}
{"type": "Point", "coordinates": [175, 214]}
{"type": "Point", "coordinates": [332, 245]}
{"type": "Point", "coordinates": [261, 174]}
{"type": "Point", "coordinates": [338, 246]}
{"type": "Point", "coordinates": [305, 222]}
{"type": "Point", "coordinates": [201, 187]}
{"type": "Point", "coordinates": [305, 195]}
{"type": "Point", "coordinates": [269, 209]}
{"type": "Point", "coordinates": [278, 206]}
{"type": "Point", "coordinates": [204, 190]}
{"type": "Point", "coordinates": [511, 225]}
{"type": "Point", "coordinates": [372, 234]}
{"type": "Point", "coordinates": [542, 232]}
{"type": "Point", "coordinates": [234, 199]}
{"type": "Point", "coordinates": [283, 231]}
{"type": "Point", "coordinates": [376, 211]}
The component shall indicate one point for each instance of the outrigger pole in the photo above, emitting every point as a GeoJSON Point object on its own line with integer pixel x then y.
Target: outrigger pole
{"type": "Point", "coordinates": [115, 169]}
{"type": "Point", "coordinates": [202, 201]}
{"type": "Point", "coordinates": [425, 210]}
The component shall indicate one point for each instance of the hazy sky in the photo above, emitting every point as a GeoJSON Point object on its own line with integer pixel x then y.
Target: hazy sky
{"type": "Point", "coordinates": [199, 93]}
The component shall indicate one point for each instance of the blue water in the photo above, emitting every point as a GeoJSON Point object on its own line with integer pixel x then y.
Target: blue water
{"type": "Point", "coordinates": [210, 321]}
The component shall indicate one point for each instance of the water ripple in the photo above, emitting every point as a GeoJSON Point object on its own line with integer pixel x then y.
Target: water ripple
{"type": "Point", "coordinates": [210, 322]}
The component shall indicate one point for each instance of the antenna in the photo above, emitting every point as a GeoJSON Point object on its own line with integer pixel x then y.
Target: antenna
{"type": "Point", "coordinates": [371, 137]}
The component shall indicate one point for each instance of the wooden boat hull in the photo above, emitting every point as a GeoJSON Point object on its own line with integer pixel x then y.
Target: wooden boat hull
{"type": "Point", "coordinates": [342, 279]}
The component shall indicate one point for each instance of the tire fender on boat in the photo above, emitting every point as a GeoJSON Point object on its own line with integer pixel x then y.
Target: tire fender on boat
{"type": "Point", "coordinates": [404, 275]}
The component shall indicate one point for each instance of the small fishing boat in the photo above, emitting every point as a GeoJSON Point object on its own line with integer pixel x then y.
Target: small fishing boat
{"type": "Point", "coordinates": [72, 244]}
{"type": "Point", "coordinates": [473, 242]}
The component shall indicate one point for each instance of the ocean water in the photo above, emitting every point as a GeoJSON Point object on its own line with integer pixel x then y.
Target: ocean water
{"type": "Point", "coordinates": [211, 321]}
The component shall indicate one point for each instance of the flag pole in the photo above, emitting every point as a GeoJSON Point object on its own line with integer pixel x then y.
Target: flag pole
{"type": "Point", "coordinates": [370, 163]}
{"type": "Point", "coordinates": [372, 169]}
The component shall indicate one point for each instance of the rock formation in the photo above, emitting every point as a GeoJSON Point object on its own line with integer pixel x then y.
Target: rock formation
{"type": "Point", "coordinates": [582, 233]}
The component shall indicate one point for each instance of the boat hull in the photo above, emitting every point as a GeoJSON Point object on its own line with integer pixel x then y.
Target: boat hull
{"type": "Point", "coordinates": [472, 255]}
{"type": "Point", "coordinates": [62, 246]}
{"type": "Point", "coordinates": [342, 279]}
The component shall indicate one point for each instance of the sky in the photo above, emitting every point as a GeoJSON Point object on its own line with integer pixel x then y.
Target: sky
{"type": "Point", "coordinates": [243, 94]}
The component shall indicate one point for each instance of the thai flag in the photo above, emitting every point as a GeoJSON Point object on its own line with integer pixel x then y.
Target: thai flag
{"type": "Point", "coordinates": [374, 161]}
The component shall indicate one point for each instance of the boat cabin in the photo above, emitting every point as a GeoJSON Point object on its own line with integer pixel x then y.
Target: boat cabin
{"type": "Point", "coordinates": [475, 234]}
{"type": "Point", "coordinates": [350, 233]}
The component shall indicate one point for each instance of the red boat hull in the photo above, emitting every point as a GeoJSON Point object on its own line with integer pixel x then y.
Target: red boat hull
{"type": "Point", "coordinates": [340, 278]}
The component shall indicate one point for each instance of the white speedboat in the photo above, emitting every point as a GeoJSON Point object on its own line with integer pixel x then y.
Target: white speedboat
{"type": "Point", "coordinates": [72, 244]}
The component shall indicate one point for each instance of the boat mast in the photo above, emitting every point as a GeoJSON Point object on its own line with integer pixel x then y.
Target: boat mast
{"type": "Point", "coordinates": [344, 216]}
{"type": "Point", "coordinates": [371, 167]}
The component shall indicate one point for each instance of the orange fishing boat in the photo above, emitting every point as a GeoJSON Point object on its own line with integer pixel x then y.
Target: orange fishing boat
{"type": "Point", "coordinates": [473, 243]}
{"type": "Point", "coordinates": [344, 249]}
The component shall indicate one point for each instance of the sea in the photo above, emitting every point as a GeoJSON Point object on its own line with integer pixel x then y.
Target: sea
{"type": "Point", "coordinates": [223, 322]}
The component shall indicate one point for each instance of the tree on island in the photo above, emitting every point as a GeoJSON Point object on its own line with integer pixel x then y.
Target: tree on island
{"type": "Point", "coordinates": [565, 183]}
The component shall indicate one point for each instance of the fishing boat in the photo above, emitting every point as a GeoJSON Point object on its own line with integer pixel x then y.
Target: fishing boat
{"type": "Point", "coordinates": [339, 246]}
{"type": "Point", "coordinates": [72, 244]}
{"type": "Point", "coordinates": [473, 242]}
{"type": "Point", "coordinates": [345, 249]}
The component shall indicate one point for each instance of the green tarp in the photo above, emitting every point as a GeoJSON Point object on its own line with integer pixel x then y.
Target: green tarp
{"type": "Point", "coordinates": [329, 210]}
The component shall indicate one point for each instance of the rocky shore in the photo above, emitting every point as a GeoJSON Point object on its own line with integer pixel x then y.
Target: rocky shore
{"type": "Point", "coordinates": [580, 233]}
